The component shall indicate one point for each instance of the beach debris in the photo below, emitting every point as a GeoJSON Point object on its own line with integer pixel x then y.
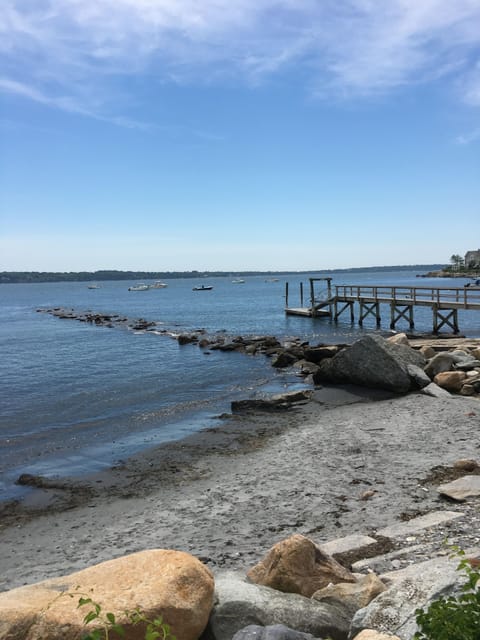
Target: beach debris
{"type": "Point", "coordinates": [298, 565]}
{"type": "Point", "coordinates": [279, 402]}
{"type": "Point", "coordinates": [366, 495]}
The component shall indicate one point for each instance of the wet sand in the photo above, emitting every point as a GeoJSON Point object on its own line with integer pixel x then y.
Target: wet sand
{"type": "Point", "coordinates": [227, 494]}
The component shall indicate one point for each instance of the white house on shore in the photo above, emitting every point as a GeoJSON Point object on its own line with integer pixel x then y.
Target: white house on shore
{"type": "Point", "coordinates": [472, 259]}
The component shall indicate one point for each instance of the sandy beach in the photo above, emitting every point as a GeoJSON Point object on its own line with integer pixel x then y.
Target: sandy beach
{"type": "Point", "coordinates": [227, 494]}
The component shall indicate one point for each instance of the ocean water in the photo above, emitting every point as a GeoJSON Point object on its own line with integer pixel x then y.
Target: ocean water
{"type": "Point", "coordinates": [76, 398]}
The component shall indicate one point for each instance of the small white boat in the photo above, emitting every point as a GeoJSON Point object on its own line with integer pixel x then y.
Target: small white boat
{"type": "Point", "coordinates": [238, 281]}
{"type": "Point", "coordinates": [203, 287]}
{"type": "Point", "coordinates": [158, 284]}
{"type": "Point", "coordinates": [139, 287]}
{"type": "Point", "coordinates": [93, 286]}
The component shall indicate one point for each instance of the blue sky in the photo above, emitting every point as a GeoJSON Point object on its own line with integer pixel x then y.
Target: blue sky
{"type": "Point", "coordinates": [248, 134]}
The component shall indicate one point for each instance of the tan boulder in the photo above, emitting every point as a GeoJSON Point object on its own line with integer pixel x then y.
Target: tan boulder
{"type": "Point", "coordinates": [427, 352]}
{"type": "Point", "coordinates": [297, 565]}
{"type": "Point", "coordinates": [466, 464]}
{"type": "Point", "coordinates": [450, 380]}
{"type": "Point", "coordinates": [370, 634]}
{"type": "Point", "coordinates": [172, 584]}
{"type": "Point", "coordinates": [475, 353]}
{"type": "Point", "coordinates": [399, 338]}
{"type": "Point", "coordinates": [354, 596]}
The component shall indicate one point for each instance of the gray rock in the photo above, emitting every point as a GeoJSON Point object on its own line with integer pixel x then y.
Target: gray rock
{"type": "Point", "coordinates": [432, 519]}
{"type": "Point", "coordinates": [393, 611]}
{"type": "Point", "coordinates": [467, 365]}
{"type": "Point", "coordinates": [371, 362]}
{"type": "Point", "coordinates": [240, 603]}
{"type": "Point", "coordinates": [460, 356]}
{"type": "Point", "coordinates": [418, 376]}
{"type": "Point", "coordinates": [272, 632]}
{"type": "Point", "coordinates": [435, 391]}
{"type": "Point", "coordinates": [316, 354]}
{"type": "Point", "coordinates": [461, 489]}
{"type": "Point", "coordinates": [438, 364]}
{"type": "Point", "coordinates": [353, 542]}
{"type": "Point", "coordinates": [284, 359]}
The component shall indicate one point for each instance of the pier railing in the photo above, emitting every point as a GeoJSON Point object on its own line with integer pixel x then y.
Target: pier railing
{"type": "Point", "coordinates": [443, 297]}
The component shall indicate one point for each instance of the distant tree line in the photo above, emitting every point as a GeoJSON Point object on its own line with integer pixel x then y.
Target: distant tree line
{"type": "Point", "coordinates": [106, 274]}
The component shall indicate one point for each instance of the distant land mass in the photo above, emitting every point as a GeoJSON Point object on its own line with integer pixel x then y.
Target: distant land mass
{"type": "Point", "coordinates": [11, 277]}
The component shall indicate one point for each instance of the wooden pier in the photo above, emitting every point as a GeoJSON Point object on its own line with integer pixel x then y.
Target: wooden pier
{"type": "Point", "coordinates": [445, 303]}
{"type": "Point", "coordinates": [319, 306]}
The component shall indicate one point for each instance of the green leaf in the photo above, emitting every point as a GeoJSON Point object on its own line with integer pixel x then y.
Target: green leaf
{"type": "Point", "coordinates": [91, 615]}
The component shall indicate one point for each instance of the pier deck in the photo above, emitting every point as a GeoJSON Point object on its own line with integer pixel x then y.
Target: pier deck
{"type": "Point", "coordinates": [445, 303]}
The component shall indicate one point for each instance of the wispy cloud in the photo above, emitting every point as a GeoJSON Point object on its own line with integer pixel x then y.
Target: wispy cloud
{"type": "Point", "coordinates": [467, 138]}
{"type": "Point", "coordinates": [357, 47]}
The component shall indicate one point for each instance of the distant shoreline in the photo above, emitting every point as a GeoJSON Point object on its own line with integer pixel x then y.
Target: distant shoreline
{"type": "Point", "coordinates": [24, 277]}
{"type": "Point", "coordinates": [451, 274]}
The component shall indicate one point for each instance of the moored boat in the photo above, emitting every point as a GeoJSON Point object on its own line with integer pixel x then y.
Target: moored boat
{"type": "Point", "coordinates": [203, 287]}
{"type": "Point", "coordinates": [139, 287]}
{"type": "Point", "coordinates": [158, 284]}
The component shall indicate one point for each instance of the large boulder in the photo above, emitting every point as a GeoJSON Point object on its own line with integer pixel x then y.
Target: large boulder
{"type": "Point", "coordinates": [372, 362]}
{"type": "Point", "coordinates": [158, 582]}
{"type": "Point", "coordinates": [240, 603]}
{"type": "Point", "coordinates": [298, 565]}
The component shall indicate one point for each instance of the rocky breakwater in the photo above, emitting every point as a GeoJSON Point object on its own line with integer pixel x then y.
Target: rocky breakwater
{"type": "Point", "coordinates": [394, 364]}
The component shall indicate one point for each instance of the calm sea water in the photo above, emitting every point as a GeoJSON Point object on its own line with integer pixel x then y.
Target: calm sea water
{"type": "Point", "coordinates": [76, 398]}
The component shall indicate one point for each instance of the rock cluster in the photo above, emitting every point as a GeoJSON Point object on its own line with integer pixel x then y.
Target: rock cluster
{"type": "Point", "coordinates": [392, 364]}
{"type": "Point", "coordinates": [298, 591]}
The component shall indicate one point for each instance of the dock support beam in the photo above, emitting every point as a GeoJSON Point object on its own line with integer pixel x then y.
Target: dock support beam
{"type": "Point", "coordinates": [449, 317]}
{"type": "Point", "coordinates": [366, 309]}
{"type": "Point", "coordinates": [397, 312]}
{"type": "Point", "coordinates": [338, 313]}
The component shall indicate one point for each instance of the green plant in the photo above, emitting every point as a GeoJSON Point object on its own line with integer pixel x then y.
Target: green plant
{"type": "Point", "coordinates": [154, 629]}
{"type": "Point", "coordinates": [455, 617]}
